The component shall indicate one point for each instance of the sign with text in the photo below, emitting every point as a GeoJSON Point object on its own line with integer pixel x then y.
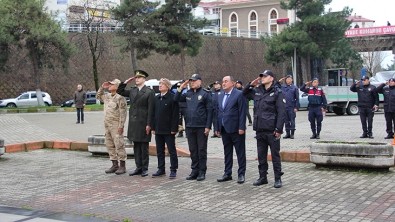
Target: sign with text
{"type": "Point", "coordinates": [372, 31]}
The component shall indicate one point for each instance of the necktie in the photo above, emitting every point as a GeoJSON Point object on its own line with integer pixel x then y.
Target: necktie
{"type": "Point", "coordinates": [224, 100]}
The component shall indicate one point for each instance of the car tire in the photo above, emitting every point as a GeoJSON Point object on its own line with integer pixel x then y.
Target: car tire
{"type": "Point", "coordinates": [11, 105]}
{"type": "Point", "coordinates": [338, 111]}
{"type": "Point", "coordinates": [352, 109]}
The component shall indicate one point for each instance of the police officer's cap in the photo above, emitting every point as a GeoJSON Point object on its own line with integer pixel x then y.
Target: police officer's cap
{"type": "Point", "coordinates": [391, 80]}
{"type": "Point", "coordinates": [288, 76]}
{"type": "Point", "coordinates": [365, 77]}
{"type": "Point", "coordinates": [315, 78]}
{"type": "Point", "coordinates": [141, 73]}
{"type": "Point", "coordinates": [240, 82]}
{"type": "Point", "coordinates": [266, 73]}
{"type": "Point", "coordinates": [195, 77]}
{"type": "Point", "coordinates": [216, 82]}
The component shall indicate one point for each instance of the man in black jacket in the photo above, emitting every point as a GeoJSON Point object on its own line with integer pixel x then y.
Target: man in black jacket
{"type": "Point", "coordinates": [368, 102]}
{"type": "Point", "coordinates": [388, 90]}
{"type": "Point", "coordinates": [165, 127]}
{"type": "Point", "coordinates": [269, 114]}
{"type": "Point", "coordinates": [198, 120]}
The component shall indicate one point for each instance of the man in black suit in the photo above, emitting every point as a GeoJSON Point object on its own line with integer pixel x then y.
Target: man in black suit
{"type": "Point", "coordinates": [231, 125]}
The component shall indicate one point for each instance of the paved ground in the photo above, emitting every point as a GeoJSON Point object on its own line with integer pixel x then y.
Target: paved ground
{"type": "Point", "coordinates": [70, 182]}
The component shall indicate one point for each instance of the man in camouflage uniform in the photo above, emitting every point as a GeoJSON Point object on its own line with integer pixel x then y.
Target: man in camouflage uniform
{"type": "Point", "coordinates": [114, 120]}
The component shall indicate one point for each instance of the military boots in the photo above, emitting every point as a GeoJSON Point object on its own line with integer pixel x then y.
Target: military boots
{"type": "Point", "coordinates": [114, 167]}
{"type": "Point", "coordinates": [121, 169]}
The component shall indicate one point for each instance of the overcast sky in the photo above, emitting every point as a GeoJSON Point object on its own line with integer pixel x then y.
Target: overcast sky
{"type": "Point", "coordinates": [380, 11]}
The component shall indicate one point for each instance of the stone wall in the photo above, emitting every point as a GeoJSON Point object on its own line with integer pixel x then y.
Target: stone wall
{"type": "Point", "coordinates": [240, 57]}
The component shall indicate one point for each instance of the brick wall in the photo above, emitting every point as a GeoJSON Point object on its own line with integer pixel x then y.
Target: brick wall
{"type": "Point", "coordinates": [219, 56]}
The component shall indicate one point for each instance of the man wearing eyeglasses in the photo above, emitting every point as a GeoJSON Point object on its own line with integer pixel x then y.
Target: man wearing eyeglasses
{"type": "Point", "coordinates": [368, 102]}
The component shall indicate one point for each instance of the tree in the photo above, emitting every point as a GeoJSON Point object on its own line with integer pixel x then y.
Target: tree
{"type": "Point", "coordinates": [313, 36]}
{"type": "Point", "coordinates": [26, 26]}
{"type": "Point", "coordinates": [141, 40]}
{"type": "Point", "coordinates": [94, 18]}
{"type": "Point", "coordinates": [178, 29]}
{"type": "Point", "coordinates": [343, 55]}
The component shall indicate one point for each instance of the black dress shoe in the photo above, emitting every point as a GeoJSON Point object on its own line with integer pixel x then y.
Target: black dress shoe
{"type": "Point", "coordinates": [313, 136]}
{"type": "Point", "coordinates": [202, 176]}
{"type": "Point", "coordinates": [260, 181]}
{"type": "Point", "coordinates": [317, 136]}
{"type": "Point", "coordinates": [144, 173]}
{"type": "Point", "coordinates": [135, 172]}
{"type": "Point", "coordinates": [364, 136]}
{"type": "Point", "coordinates": [278, 183]}
{"type": "Point", "coordinates": [389, 136]}
{"type": "Point", "coordinates": [241, 179]}
{"type": "Point", "coordinates": [224, 178]}
{"type": "Point", "coordinates": [192, 177]}
{"type": "Point", "coordinates": [159, 173]}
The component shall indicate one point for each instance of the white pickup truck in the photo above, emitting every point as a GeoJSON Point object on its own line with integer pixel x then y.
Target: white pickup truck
{"type": "Point", "coordinates": [338, 94]}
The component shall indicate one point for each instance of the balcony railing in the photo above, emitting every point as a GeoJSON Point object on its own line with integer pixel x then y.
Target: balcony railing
{"type": "Point", "coordinates": [77, 27]}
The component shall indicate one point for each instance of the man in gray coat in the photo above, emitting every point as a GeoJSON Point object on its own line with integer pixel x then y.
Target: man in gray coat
{"type": "Point", "coordinates": [142, 101]}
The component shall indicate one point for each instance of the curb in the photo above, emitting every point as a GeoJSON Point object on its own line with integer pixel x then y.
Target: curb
{"type": "Point", "coordinates": [302, 156]}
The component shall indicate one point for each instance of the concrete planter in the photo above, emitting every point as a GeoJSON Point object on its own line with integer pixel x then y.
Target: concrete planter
{"type": "Point", "coordinates": [97, 145]}
{"type": "Point", "coordinates": [352, 154]}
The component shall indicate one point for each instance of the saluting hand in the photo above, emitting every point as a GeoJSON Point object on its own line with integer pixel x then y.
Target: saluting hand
{"type": "Point", "coordinates": [255, 82]}
{"type": "Point", "coordinates": [184, 84]}
{"type": "Point", "coordinates": [307, 83]}
{"type": "Point", "coordinates": [105, 85]}
{"type": "Point", "coordinates": [130, 79]}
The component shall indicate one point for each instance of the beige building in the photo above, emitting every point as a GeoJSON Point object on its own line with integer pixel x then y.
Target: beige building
{"type": "Point", "coordinates": [254, 18]}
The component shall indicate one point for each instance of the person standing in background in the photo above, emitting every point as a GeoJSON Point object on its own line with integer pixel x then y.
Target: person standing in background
{"type": "Point", "coordinates": [388, 90]}
{"type": "Point", "coordinates": [291, 95]}
{"type": "Point", "coordinates": [317, 106]}
{"type": "Point", "coordinates": [239, 86]}
{"type": "Point", "coordinates": [368, 103]}
{"type": "Point", "coordinates": [79, 102]}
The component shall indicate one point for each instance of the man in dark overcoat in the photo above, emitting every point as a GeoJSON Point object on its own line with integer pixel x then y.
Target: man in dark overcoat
{"type": "Point", "coordinates": [140, 119]}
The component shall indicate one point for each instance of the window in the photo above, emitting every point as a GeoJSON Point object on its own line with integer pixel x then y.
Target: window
{"type": "Point", "coordinates": [273, 16]}
{"type": "Point", "coordinates": [24, 96]}
{"type": "Point", "coordinates": [233, 24]}
{"type": "Point", "coordinates": [253, 24]}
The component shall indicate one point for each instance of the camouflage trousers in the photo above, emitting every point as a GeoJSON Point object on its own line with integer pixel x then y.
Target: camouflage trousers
{"type": "Point", "coordinates": [115, 142]}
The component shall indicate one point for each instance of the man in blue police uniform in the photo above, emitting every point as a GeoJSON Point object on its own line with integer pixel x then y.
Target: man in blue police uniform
{"type": "Point", "coordinates": [269, 114]}
{"type": "Point", "coordinates": [291, 94]}
{"type": "Point", "coordinates": [317, 106]}
{"type": "Point", "coordinates": [388, 90]}
{"type": "Point", "coordinates": [198, 120]}
{"type": "Point", "coordinates": [231, 125]}
{"type": "Point", "coordinates": [368, 102]}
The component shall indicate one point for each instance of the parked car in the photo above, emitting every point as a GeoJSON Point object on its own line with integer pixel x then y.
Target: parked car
{"type": "Point", "coordinates": [90, 99]}
{"type": "Point", "coordinates": [26, 99]}
{"type": "Point", "coordinates": [303, 100]}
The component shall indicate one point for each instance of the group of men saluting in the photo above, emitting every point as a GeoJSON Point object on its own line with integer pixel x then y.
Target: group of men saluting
{"type": "Point", "coordinates": [275, 105]}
